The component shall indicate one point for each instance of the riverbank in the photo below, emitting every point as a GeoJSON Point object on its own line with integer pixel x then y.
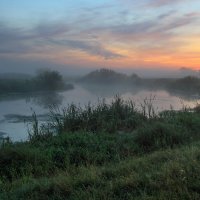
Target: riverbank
{"type": "Point", "coordinates": [45, 80]}
{"type": "Point", "coordinates": [106, 152]}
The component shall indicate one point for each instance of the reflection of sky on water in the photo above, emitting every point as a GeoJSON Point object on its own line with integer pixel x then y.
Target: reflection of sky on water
{"type": "Point", "coordinates": [40, 103]}
{"type": "Point", "coordinates": [161, 100]}
{"type": "Point", "coordinates": [47, 100]}
{"type": "Point", "coordinates": [16, 131]}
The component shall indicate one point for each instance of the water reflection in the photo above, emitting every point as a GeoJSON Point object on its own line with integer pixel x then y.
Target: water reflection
{"type": "Point", "coordinates": [188, 96]}
{"type": "Point", "coordinates": [16, 108]}
{"type": "Point", "coordinates": [2, 134]}
{"type": "Point", "coordinates": [42, 99]}
{"type": "Point", "coordinates": [46, 100]}
{"type": "Point", "coordinates": [108, 91]}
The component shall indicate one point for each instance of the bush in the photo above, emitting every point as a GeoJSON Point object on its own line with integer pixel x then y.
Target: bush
{"type": "Point", "coordinates": [44, 81]}
{"type": "Point", "coordinates": [111, 118]}
{"type": "Point", "coordinates": [49, 80]}
{"type": "Point", "coordinates": [159, 135]}
{"type": "Point", "coordinates": [17, 161]}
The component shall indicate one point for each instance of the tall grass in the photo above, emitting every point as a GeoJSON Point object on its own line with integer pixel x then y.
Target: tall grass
{"type": "Point", "coordinates": [39, 131]}
{"type": "Point", "coordinates": [147, 107]}
{"type": "Point", "coordinates": [107, 151]}
{"type": "Point", "coordinates": [116, 116]}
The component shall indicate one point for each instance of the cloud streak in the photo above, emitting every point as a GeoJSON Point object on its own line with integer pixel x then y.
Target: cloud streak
{"type": "Point", "coordinates": [93, 48]}
{"type": "Point", "coordinates": [149, 30]}
{"type": "Point", "coordinates": [159, 3]}
{"type": "Point", "coordinates": [118, 32]}
{"type": "Point", "coordinates": [16, 40]}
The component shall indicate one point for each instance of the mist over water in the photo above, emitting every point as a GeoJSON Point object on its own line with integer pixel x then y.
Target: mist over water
{"type": "Point", "coordinates": [16, 110]}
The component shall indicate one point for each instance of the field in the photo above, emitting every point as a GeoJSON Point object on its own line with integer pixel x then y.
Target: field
{"type": "Point", "coordinates": [107, 151]}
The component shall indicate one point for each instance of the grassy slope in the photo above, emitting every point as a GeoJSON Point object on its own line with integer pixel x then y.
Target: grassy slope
{"type": "Point", "coordinates": [156, 159]}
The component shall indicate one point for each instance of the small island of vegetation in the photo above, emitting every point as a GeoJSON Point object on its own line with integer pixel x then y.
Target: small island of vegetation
{"type": "Point", "coordinates": [106, 77]}
{"type": "Point", "coordinates": [45, 80]}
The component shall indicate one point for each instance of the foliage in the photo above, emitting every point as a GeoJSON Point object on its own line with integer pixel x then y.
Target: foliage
{"type": "Point", "coordinates": [110, 118]}
{"type": "Point", "coordinates": [49, 80]}
{"type": "Point", "coordinates": [104, 76]}
{"type": "Point", "coordinates": [159, 135]}
{"type": "Point", "coordinates": [44, 81]}
{"type": "Point", "coordinates": [155, 158]}
{"type": "Point", "coordinates": [189, 84]}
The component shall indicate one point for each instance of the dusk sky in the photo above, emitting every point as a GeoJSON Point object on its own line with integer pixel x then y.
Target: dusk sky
{"type": "Point", "coordinates": [119, 34]}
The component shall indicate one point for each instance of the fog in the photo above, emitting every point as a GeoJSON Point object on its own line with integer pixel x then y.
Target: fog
{"type": "Point", "coordinates": [111, 81]}
{"type": "Point", "coordinates": [31, 66]}
{"type": "Point", "coordinates": [21, 94]}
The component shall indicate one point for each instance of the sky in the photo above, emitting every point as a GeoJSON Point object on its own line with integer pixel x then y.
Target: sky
{"type": "Point", "coordinates": [84, 34]}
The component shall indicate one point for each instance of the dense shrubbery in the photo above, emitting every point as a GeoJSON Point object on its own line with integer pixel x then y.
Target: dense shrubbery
{"type": "Point", "coordinates": [49, 80]}
{"type": "Point", "coordinates": [187, 84]}
{"type": "Point", "coordinates": [7, 86]}
{"type": "Point", "coordinates": [159, 135]}
{"type": "Point", "coordinates": [107, 76]}
{"type": "Point", "coordinates": [138, 157]}
{"type": "Point", "coordinates": [110, 118]}
{"type": "Point", "coordinates": [44, 81]}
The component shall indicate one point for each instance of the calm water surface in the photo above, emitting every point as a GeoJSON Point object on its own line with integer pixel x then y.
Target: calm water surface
{"type": "Point", "coordinates": [15, 107]}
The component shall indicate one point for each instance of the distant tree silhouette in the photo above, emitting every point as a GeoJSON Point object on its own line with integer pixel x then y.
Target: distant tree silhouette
{"type": "Point", "coordinates": [189, 84]}
{"type": "Point", "coordinates": [49, 80]}
{"type": "Point", "coordinates": [105, 76]}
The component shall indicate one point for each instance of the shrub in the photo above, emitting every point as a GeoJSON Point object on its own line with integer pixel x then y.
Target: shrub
{"type": "Point", "coordinates": [158, 135]}
{"type": "Point", "coordinates": [118, 115]}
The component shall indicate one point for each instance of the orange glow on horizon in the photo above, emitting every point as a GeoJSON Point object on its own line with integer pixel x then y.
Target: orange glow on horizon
{"type": "Point", "coordinates": [186, 56]}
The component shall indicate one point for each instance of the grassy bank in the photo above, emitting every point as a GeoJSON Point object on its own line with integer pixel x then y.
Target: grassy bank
{"type": "Point", "coordinates": [110, 151]}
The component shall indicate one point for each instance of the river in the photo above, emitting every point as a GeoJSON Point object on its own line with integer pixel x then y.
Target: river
{"type": "Point", "coordinates": [15, 108]}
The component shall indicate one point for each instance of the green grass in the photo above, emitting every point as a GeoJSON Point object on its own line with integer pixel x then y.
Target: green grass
{"type": "Point", "coordinates": [126, 156]}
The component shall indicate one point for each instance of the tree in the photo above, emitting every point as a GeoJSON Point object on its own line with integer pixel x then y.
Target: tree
{"type": "Point", "coordinates": [49, 80]}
